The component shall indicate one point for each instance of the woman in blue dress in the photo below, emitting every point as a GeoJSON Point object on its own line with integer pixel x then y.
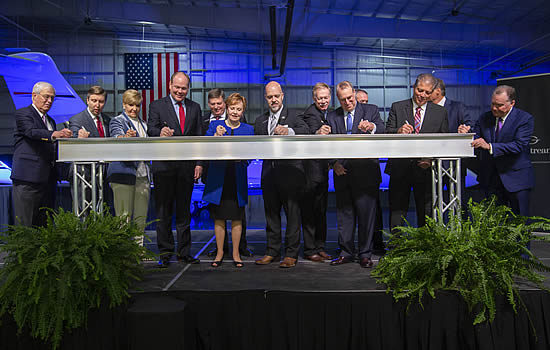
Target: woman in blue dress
{"type": "Point", "coordinates": [226, 187]}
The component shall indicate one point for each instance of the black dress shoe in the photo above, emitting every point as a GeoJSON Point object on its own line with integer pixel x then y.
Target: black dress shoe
{"type": "Point", "coordinates": [188, 259]}
{"type": "Point", "coordinates": [366, 262]}
{"type": "Point", "coordinates": [341, 260]}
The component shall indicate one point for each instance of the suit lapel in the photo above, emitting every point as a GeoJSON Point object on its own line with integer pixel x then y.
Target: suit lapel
{"type": "Point", "coordinates": [283, 117]}
{"type": "Point", "coordinates": [172, 114]}
{"type": "Point", "coordinates": [507, 124]}
{"type": "Point", "coordinates": [340, 124]}
{"type": "Point", "coordinates": [408, 111]}
{"type": "Point", "coordinates": [37, 118]}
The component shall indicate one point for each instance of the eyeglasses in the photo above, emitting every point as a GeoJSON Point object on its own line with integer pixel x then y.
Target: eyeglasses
{"type": "Point", "coordinates": [48, 97]}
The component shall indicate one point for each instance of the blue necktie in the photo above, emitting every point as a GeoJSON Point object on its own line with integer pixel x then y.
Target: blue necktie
{"type": "Point", "coordinates": [349, 123]}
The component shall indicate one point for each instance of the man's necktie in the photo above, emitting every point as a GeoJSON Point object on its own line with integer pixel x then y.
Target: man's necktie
{"type": "Point", "coordinates": [417, 120]}
{"type": "Point", "coordinates": [325, 116]}
{"type": "Point", "coordinates": [99, 127]}
{"type": "Point", "coordinates": [499, 126]}
{"type": "Point", "coordinates": [182, 117]}
{"type": "Point", "coordinates": [272, 124]}
{"type": "Point", "coordinates": [349, 123]}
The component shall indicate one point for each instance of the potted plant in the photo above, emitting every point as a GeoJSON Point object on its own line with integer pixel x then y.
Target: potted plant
{"type": "Point", "coordinates": [54, 275]}
{"type": "Point", "coordinates": [480, 257]}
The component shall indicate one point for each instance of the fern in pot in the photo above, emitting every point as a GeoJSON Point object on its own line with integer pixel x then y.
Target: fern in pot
{"type": "Point", "coordinates": [54, 275]}
{"type": "Point", "coordinates": [479, 257]}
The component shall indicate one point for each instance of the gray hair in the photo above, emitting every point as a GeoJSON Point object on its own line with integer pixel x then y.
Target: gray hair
{"type": "Point", "coordinates": [426, 78]}
{"type": "Point", "coordinates": [41, 85]}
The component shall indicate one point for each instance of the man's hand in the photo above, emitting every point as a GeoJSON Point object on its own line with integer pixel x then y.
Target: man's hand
{"type": "Point", "coordinates": [166, 131]}
{"type": "Point", "coordinates": [405, 129]}
{"type": "Point", "coordinates": [480, 143]}
{"type": "Point", "coordinates": [281, 130]}
{"type": "Point", "coordinates": [82, 133]}
{"type": "Point", "coordinates": [198, 173]}
{"type": "Point", "coordinates": [62, 134]}
{"type": "Point", "coordinates": [463, 129]}
{"type": "Point", "coordinates": [130, 133]}
{"type": "Point", "coordinates": [339, 169]}
{"type": "Point", "coordinates": [365, 126]}
{"type": "Point", "coordinates": [323, 130]}
{"type": "Point", "coordinates": [424, 163]}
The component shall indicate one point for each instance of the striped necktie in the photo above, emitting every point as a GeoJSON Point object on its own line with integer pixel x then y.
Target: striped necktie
{"type": "Point", "coordinates": [417, 120]}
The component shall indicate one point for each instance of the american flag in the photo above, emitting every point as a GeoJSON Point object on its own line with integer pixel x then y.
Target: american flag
{"type": "Point", "coordinates": [150, 74]}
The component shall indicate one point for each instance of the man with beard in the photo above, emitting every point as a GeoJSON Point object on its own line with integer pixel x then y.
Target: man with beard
{"type": "Point", "coordinates": [282, 181]}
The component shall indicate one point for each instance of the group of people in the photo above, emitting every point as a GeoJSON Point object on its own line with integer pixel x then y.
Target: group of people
{"type": "Point", "coordinates": [299, 187]}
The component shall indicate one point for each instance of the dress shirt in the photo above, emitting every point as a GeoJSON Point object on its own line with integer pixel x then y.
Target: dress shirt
{"type": "Point", "coordinates": [276, 120]}
{"type": "Point", "coordinates": [222, 117]}
{"type": "Point", "coordinates": [422, 112]}
{"type": "Point", "coordinates": [496, 126]}
{"type": "Point", "coordinates": [177, 107]}
{"type": "Point", "coordinates": [442, 102]}
{"type": "Point", "coordinates": [44, 119]}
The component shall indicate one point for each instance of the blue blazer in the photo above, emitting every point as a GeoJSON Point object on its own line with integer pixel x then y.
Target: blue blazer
{"type": "Point", "coordinates": [34, 151]}
{"type": "Point", "coordinates": [457, 115]}
{"type": "Point", "coordinates": [216, 169]}
{"type": "Point", "coordinates": [510, 159]}
{"type": "Point", "coordinates": [124, 172]}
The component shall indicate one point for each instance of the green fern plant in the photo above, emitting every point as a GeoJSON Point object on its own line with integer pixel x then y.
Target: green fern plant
{"type": "Point", "coordinates": [479, 257]}
{"type": "Point", "coordinates": [54, 275]}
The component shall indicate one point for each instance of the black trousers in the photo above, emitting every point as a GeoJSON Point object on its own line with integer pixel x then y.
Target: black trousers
{"type": "Point", "coordinates": [314, 218]}
{"type": "Point", "coordinates": [355, 206]}
{"type": "Point", "coordinates": [173, 186]}
{"type": "Point", "coordinates": [400, 189]}
{"type": "Point", "coordinates": [31, 199]}
{"type": "Point", "coordinates": [277, 194]}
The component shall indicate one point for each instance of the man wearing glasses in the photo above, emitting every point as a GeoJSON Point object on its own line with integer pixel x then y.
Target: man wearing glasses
{"type": "Point", "coordinates": [34, 172]}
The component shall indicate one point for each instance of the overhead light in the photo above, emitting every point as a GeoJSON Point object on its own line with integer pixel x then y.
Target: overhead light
{"type": "Point", "coordinates": [147, 41]}
{"type": "Point", "coordinates": [333, 43]}
{"type": "Point", "coordinates": [145, 22]}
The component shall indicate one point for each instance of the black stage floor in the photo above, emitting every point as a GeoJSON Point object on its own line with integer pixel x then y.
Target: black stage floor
{"type": "Point", "coordinates": [306, 276]}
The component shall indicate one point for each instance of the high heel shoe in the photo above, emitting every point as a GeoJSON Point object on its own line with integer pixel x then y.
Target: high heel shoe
{"type": "Point", "coordinates": [216, 263]}
{"type": "Point", "coordinates": [238, 264]}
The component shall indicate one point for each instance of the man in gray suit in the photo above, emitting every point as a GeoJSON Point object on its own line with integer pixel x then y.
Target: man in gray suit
{"type": "Point", "coordinates": [413, 116]}
{"type": "Point", "coordinates": [91, 122]}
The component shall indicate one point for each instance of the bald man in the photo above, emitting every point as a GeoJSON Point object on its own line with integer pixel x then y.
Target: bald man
{"type": "Point", "coordinates": [282, 181]}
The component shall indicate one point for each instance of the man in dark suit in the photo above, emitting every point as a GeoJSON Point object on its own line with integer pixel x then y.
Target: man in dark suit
{"type": "Point", "coordinates": [175, 115]}
{"type": "Point", "coordinates": [216, 103]}
{"type": "Point", "coordinates": [459, 122]}
{"type": "Point", "coordinates": [315, 199]}
{"type": "Point", "coordinates": [502, 146]}
{"type": "Point", "coordinates": [282, 181]}
{"type": "Point", "coordinates": [34, 171]}
{"type": "Point", "coordinates": [356, 181]}
{"type": "Point", "coordinates": [415, 115]}
{"type": "Point", "coordinates": [362, 97]}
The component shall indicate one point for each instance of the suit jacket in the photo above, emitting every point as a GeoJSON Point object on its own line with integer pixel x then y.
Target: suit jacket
{"type": "Point", "coordinates": [457, 115]}
{"type": "Point", "coordinates": [124, 172]}
{"type": "Point", "coordinates": [289, 168]}
{"type": "Point", "coordinates": [364, 172]}
{"type": "Point", "coordinates": [34, 151]}
{"type": "Point", "coordinates": [316, 169]}
{"type": "Point", "coordinates": [216, 174]}
{"type": "Point", "coordinates": [161, 114]}
{"type": "Point", "coordinates": [510, 159]}
{"type": "Point", "coordinates": [84, 119]}
{"type": "Point", "coordinates": [435, 121]}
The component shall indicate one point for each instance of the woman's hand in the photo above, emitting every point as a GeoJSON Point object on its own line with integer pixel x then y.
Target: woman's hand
{"type": "Point", "coordinates": [220, 131]}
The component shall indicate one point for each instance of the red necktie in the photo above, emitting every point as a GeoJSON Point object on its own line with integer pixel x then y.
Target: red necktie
{"type": "Point", "coordinates": [417, 120]}
{"type": "Point", "coordinates": [99, 127]}
{"type": "Point", "coordinates": [182, 117]}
